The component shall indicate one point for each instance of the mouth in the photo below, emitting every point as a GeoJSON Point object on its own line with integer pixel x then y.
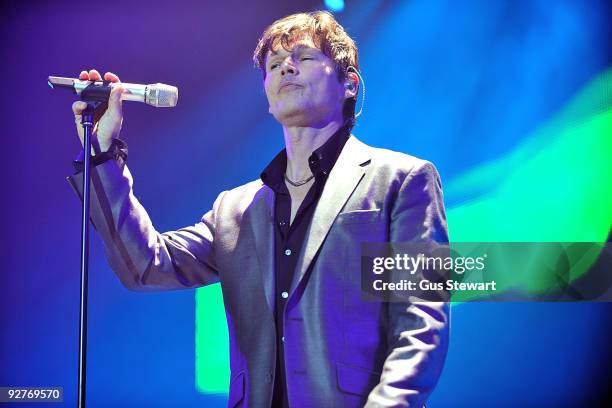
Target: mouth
{"type": "Point", "coordinates": [289, 86]}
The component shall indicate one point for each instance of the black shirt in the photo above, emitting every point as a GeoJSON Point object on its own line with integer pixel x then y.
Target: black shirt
{"type": "Point", "coordinates": [289, 239]}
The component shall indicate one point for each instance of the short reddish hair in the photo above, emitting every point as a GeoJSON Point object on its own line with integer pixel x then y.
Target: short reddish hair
{"type": "Point", "coordinates": [321, 27]}
{"type": "Point", "coordinates": [325, 32]}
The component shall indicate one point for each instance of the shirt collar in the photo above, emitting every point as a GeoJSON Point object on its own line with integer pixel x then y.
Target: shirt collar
{"type": "Point", "coordinates": [321, 161]}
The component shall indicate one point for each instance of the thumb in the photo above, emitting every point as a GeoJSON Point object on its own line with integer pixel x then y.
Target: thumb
{"type": "Point", "coordinates": [114, 99]}
{"type": "Point", "coordinates": [78, 107]}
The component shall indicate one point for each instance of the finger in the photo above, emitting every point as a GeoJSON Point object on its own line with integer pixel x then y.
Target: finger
{"type": "Point", "coordinates": [78, 107]}
{"type": "Point", "coordinates": [94, 75]}
{"type": "Point", "coordinates": [109, 76]}
{"type": "Point", "coordinates": [84, 76]}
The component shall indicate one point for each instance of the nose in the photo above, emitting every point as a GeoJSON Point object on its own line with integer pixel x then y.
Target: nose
{"type": "Point", "coordinates": [287, 67]}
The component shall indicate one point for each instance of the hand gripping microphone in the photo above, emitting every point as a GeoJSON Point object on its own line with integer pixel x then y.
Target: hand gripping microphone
{"type": "Point", "coordinates": [158, 95]}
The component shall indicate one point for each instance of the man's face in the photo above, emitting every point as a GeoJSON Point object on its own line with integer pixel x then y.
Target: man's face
{"type": "Point", "coordinates": [302, 86]}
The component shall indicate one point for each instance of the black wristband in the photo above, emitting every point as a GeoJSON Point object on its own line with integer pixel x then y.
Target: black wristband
{"type": "Point", "coordinates": [117, 150]}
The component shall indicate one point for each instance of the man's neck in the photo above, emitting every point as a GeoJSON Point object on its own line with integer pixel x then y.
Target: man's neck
{"type": "Point", "coordinates": [300, 142]}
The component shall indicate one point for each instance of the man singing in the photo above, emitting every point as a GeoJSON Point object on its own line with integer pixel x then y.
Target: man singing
{"type": "Point", "coordinates": [286, 246]}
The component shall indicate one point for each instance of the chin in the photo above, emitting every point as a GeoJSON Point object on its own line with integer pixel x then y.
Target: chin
{"type": "Point", "coordinates": [303, 115]}
{"type": "Point", "coordinates": [293, 117]}
{"type": "Point", "coordinates": [294, 121]}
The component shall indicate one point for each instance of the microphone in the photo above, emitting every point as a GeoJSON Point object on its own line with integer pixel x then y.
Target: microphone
{"type": "Point", "coordinates": [158, 95]}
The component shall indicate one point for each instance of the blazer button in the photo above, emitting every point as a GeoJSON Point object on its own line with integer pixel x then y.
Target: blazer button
{"type": "Point", "coordinates": [284, 295]}
{"type": "Point", "coordinates": [287, 252]}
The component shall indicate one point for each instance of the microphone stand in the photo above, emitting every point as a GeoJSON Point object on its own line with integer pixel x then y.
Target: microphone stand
{"type": "Point", "coordinates": [96, 96]}
{"type": "Point", "coordinates": [87, 121]}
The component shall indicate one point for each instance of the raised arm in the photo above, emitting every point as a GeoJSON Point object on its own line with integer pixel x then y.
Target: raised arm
{"type": "Point", "coordinates": [142, 258]}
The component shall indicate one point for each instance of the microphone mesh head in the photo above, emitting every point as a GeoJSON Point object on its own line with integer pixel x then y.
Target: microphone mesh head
{"type": "Point", "coordinates": [162, 95]}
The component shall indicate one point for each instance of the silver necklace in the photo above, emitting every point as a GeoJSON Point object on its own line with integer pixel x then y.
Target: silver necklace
{"type": "Point", "coordinates": [298, 183]}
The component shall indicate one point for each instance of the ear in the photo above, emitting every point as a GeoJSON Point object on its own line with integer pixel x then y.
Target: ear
{"type": "Point", "coordinates": [351, 85]}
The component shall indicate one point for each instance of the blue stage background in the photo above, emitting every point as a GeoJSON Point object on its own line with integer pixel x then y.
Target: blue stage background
{"type": "Point", "coordinates": [462, 84]}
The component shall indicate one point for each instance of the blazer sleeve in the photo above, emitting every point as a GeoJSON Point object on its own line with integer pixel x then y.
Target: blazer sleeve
{"type": "Point", "coordinates": [417, 333]}
{"type": "Point", "coordinates": [143, 258]}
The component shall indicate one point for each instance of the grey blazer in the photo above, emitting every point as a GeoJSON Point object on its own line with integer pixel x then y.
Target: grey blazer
{"type": "Point", "coordinates": [340, 351]}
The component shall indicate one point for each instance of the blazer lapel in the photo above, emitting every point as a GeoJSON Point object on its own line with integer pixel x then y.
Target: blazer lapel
{"type": "Point", "coordinates": [260, 215]}
{"type": "Point", "coordinates": [344, 177]}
